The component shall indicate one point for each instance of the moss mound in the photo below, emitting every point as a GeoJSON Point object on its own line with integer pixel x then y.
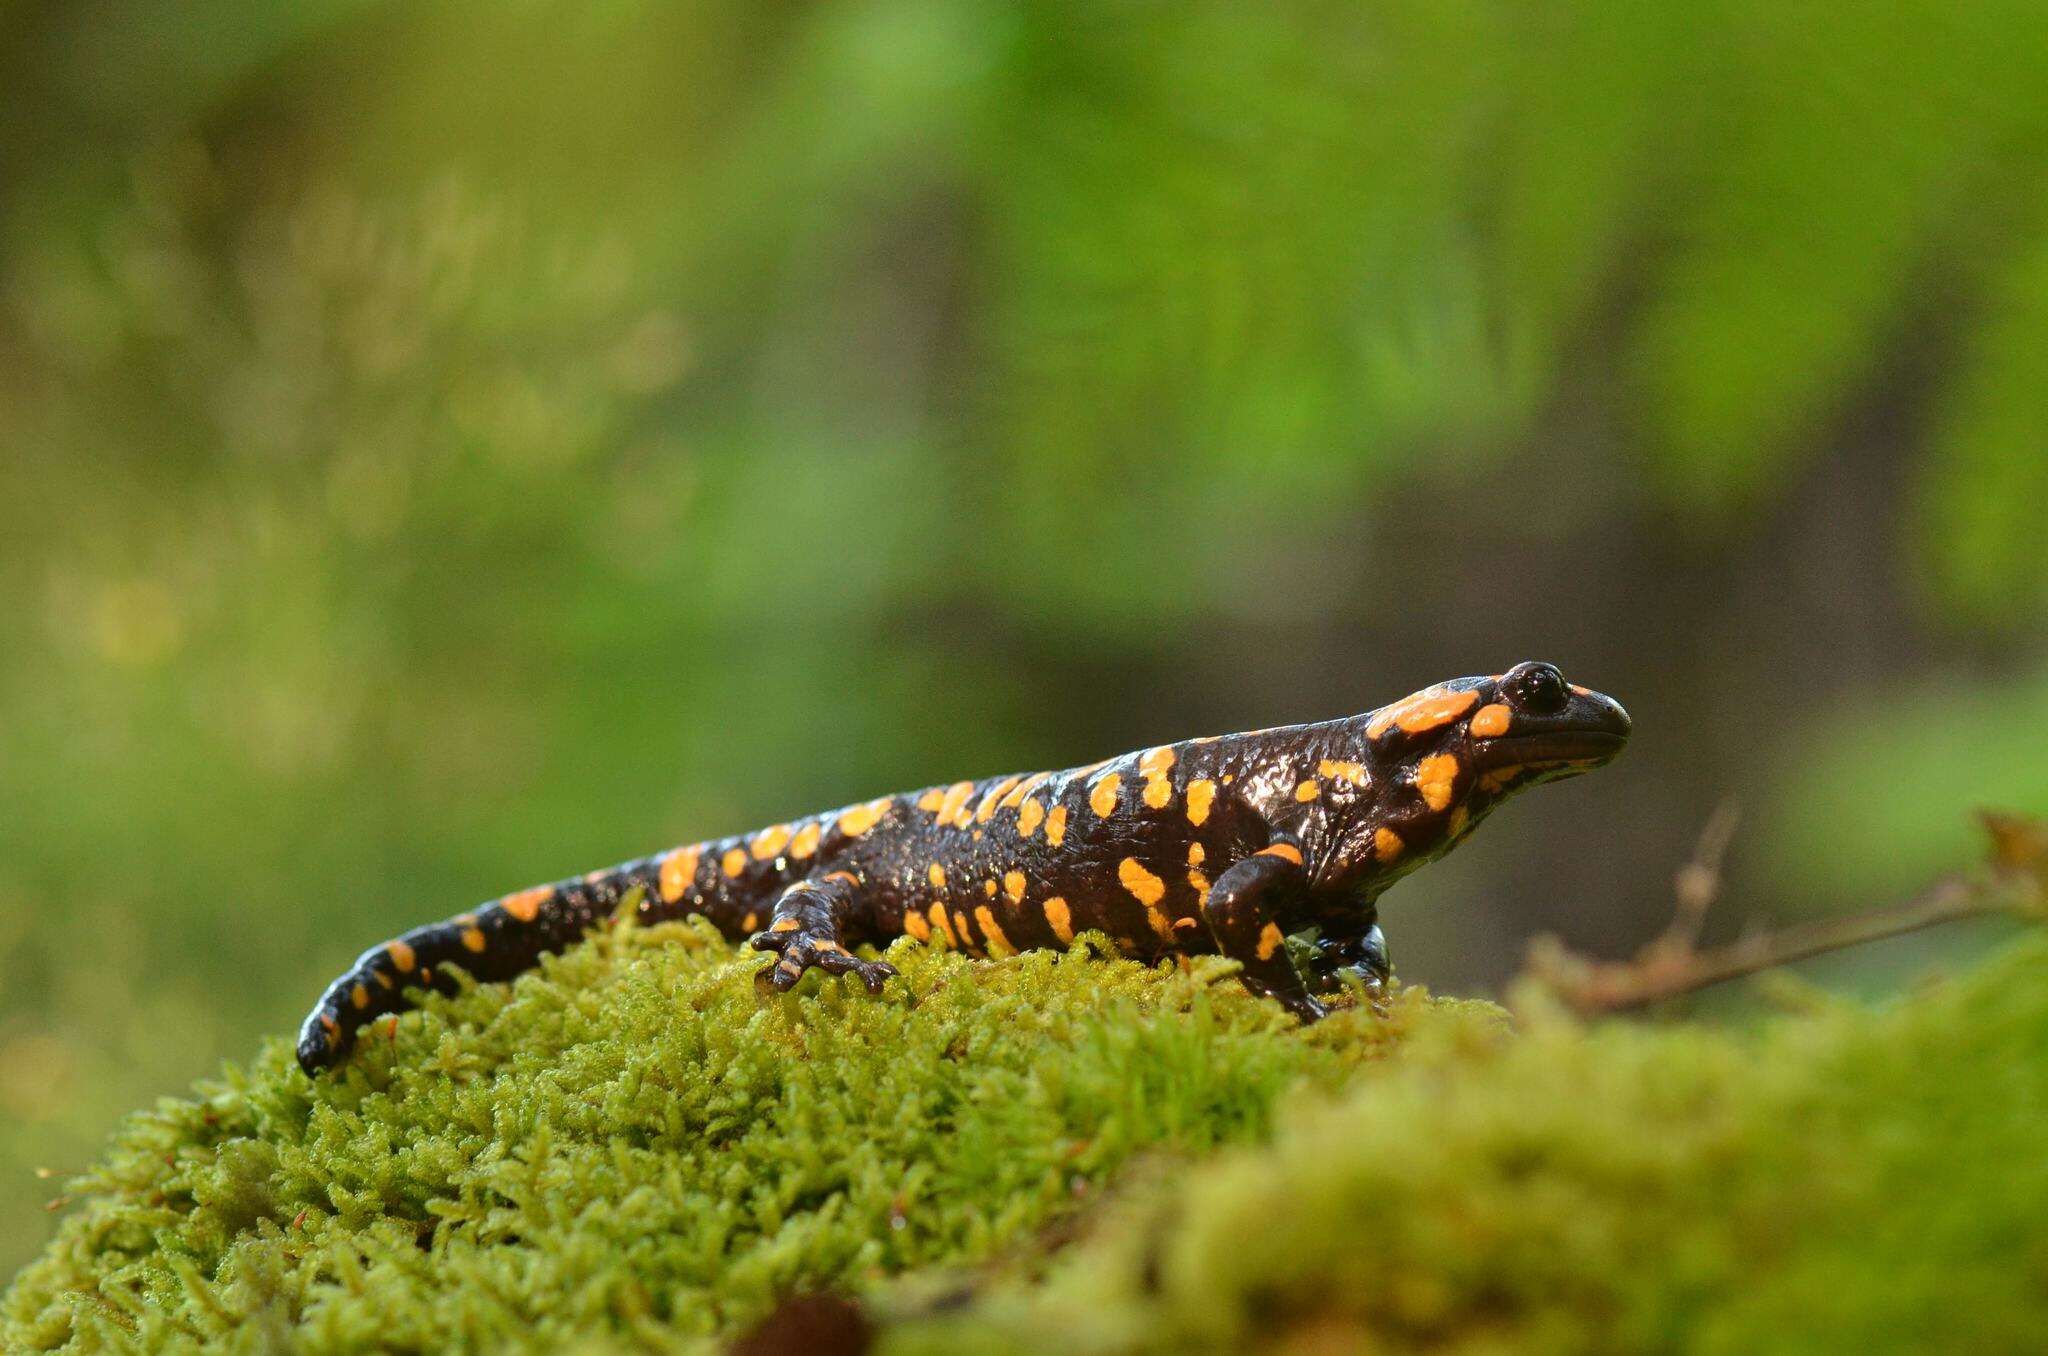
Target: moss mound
{"type": "Point", "coordinates": [1839, 1180]}
{"type": "Point", "coordinates": [629, 1151]}
{"type": "Point", "coordinates": [629, 1146]}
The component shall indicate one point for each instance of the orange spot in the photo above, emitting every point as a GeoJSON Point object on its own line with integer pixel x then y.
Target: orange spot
{"type": "Point", "coordinates": [1158, 791]}
{"type": "Point", "coordinates": [525, 906]}
{"type": "Point", "coordinates": [986, 811]}
{"type": "Point", "coordinates": [770, 842]}
{"type": "Point", "coordinates": [1029, 815]}
{"type": "Point", "coordinates": [1425, 710]}
{"type": "Point", "coordinates": [1013, 886]}
{"type": "Point", "coordinates": [1582, 691]}
{"type": "Point", "coordinates": [1201, 795]}
{"type": "Point", "coordinates": [1270, 941]}
{"type": "Point", "coordinates": [784, 925]}
{"type": "Point", "coordinates": [1148, 888]}
{"type": "Point", "coordinates": [402, 956]}
{"type": "Point", "coordinates": [1308, 791]}
{"type": "Point", "coordinates": [805, 842]}
{"type": "Point", "coordinates": [931, 800]}
{"type": "Point", "coordinates": [1060, 919]}
{"type": "Point", "coordinates": [678, 869]}
{"type": "Point", "coordinates": [857, 821]}
{"type": "Point", "coordinates": [383, 980]}
{"type": "Point", "coordinates": [329, 1023]}
{"type": "Point", "coordinates": [1103, 799]}
{"type": "Point", "coordinates": [473, 938]}
{"type": "Point", "coordinates": [998, 943]}
{"type": "Point", "coordinates": [988, 887]}
{"type": "Point", "coordinates": [1496, 781]}
{"type": "Point", "coordinates": [750, 922]}
{"type": "Point", "coordinates": [1433, 778]}
{"type": "Point", "coordinates": [1196, 852]}
{"type": "Point", "coordinates": [1201, 884]}
{"type": "Point", "coordinates": [1285, 851]}
{"type": "Point", "coordinates": [1490, 722]}
{"type": "Point", "coordinates": [1355, 773]}
{"type": "Point", "coordinates": [965, 933]}
{"type": "Point", "coordinates": [1386, 844]}
{"type": "Point", "coordinates": [1056, 825]}
{"type": "Point", "coordinates": [1024, 788]}
{"type": "Point", "coordinates": [734, 862]}
{"type": "Point", "coordinates": [936, 874]}
{"type": "Point", "coordinates": [956, 797]}
{"type": "Point", "coordinates": [359, 996]}
{"type": "Point", "coordinates": [846, 876]}
{"type": "Point", "coordinates": [915, 925]}
{"type": "Point", "coordinates": [1156, 763]}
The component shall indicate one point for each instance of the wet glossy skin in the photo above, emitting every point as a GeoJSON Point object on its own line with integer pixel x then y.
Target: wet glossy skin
{"type": "Point", "coordinates": [1225, 844]}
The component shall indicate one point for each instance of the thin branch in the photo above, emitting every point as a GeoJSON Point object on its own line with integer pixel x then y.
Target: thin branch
{"type": "Point", "coordinates": [2015, 883]}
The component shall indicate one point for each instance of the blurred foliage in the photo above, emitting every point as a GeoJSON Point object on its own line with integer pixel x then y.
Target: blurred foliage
{"type": "Point", "coordinates": [450, 445]}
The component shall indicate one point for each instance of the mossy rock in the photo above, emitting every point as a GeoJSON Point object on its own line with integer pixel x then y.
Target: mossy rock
{"type": "Point", "coordinates": [630, 1151]}
{"type": "Point", "coordinates": [631, 1144]}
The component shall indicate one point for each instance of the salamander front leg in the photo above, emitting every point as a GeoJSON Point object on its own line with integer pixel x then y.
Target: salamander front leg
{"type": "Point", "coordinates": [1244, 911]}
{"type": "Point", "coordinates": [805, 933]}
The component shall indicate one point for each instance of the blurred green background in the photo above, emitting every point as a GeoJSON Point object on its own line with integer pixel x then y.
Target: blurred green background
{"type": "Point", "coordinates": [446, 446]}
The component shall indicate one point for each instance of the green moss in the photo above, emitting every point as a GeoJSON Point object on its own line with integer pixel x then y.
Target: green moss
{"type": "Point", "coordinates": [631, 1145]}
{"type": "Point", "coordinates": [630, 1151]}
{"type": "Point", "coordinates": [1838, 1180]}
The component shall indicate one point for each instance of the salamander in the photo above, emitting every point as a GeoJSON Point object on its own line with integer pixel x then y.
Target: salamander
{"type": "Point", "coordinates": [1227, 844]}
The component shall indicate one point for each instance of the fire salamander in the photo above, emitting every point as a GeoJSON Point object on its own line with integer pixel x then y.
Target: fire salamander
{"type": "Point", "coordinates": [1224, 844]}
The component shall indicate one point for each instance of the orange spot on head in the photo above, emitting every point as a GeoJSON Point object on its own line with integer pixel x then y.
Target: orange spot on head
{"type": "Point", "coordinates": [734, 862]}
{"type": "Point", "coordinates": [525, 906]}
{"type": "Point", "coordinates": [1029, 815]}
{"type": "Point", "coordinates": [1490, 722]}
{"type": "Point", "coordinates": [1422, 712]}
{"type": "Point", "coordinates": [473, 938]}
{"type": "Point", "coordinates": [1270, 941]}
{"type": "Point", "coordinates": [1060, 919]}
{"type": "Point", "coordinates": [914, 923]}
{"type": "Point", "coordinates": [678, 869]}
{"type": "Point", "coordinates": [806, 841]}
{"type": "Point", "coordinates": [1386, 844]}
{"type": "Point", "coordinates": [1308, 790]}
{"type": "Point", "coordinates": [1056, 825]}
{"type": "Point", "coordinates": [1285, 851]}
{"type": "Point", "coordinates": [1103, 799]}
{"type": "Point", "coordinates": [402, 956]}
{"type": "Point", "coordinates": [1147, 888]}
{"type": "Point", "coordinates": [1201, 796]}
{"type": "Point", "coordinates": [1013, 886]}
{"type": "Point", "coordinates": [936, 874]}
{"type": "Point", "coordinates": [1434, 778]}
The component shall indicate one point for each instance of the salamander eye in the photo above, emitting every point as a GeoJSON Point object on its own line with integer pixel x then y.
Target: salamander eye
{"type": "Point", "coordinates": [1538, 688]}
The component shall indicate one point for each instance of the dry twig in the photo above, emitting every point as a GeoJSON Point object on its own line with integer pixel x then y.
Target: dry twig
{"type": "Point", "coordinates": [2013, 880]}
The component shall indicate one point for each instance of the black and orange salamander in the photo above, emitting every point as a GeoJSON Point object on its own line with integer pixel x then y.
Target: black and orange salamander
{"type": "Point", "coordinates": [1225, 844]}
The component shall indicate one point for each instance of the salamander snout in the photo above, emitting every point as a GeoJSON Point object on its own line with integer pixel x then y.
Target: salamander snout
{"type": "Point", "coordinates": [1536, 716]}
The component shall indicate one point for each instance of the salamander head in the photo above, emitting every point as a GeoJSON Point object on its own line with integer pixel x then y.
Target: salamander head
{"type": "Point", "coordinates": [1444, 757]}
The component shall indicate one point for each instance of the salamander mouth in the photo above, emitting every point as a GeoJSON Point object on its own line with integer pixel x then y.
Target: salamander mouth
{"type": "Point", "coordinates": [1589, 746]}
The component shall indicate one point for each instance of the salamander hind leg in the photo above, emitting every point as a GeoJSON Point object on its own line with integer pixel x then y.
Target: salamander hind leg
{"type": "Point", "coordinates": [805, 932]}
{"type": "Point", "coordinates": [1341, 959]}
